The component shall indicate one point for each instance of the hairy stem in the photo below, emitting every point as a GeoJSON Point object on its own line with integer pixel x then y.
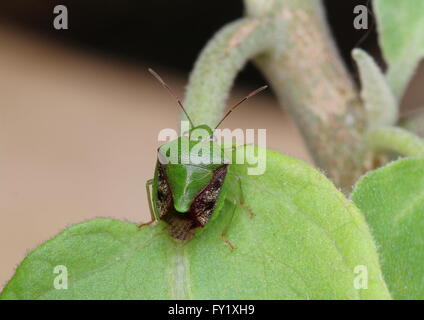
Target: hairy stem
{"type": "Point", "coordinates": [291, 44]}
{"type": "Point", "coordinates": [218, 64]}
{"type": "Point", "coordinates": [395, 139]}
{"type": "Point", "coordinates": [381, 106]}
{"type": "Point", "coordinates": [310, 79]}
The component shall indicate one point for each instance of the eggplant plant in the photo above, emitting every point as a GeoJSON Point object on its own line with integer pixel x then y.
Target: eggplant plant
{"type": "Point", "coordinates": [350, 228]}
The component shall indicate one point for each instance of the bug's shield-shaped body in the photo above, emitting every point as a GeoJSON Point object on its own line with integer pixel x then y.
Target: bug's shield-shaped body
{"type": "Point", "coordinates": [190, 214]}
{"type": "Point", "coordinates": [187, 194]}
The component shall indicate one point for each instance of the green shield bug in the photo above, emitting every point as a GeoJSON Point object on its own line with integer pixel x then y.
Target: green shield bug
{"type": "Point", "coordinates": [188, 188]}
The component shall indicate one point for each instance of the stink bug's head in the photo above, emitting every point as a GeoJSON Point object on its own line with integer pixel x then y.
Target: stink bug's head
{"type": "Point", "coordinates": [189, 176]}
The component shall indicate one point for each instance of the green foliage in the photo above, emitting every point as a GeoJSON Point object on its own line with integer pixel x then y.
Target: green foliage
{"type": "Point", "coordinates": [296, 237]}
{"type": "Point", "coordinates": [286, 234]}
{"type": "Point", "coordinates": [395, 139]}
{"type": "Point", "coordinates": [392, 199]}
{"type": "Point", "coordinates": [381, 105]}
{"type": "Point", "coordinates": [401, 33]}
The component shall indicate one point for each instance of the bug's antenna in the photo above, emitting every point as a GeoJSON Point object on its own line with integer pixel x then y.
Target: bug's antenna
{"type": "Point", "coordinates": [158, 78]}
{"type": "Point", "coordinates": [250, 95]}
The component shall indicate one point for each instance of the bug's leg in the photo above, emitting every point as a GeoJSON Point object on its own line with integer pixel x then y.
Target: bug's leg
{"type": "Point", "coordinates": [225, 231]}
{"type": "Point", "coordinates": [242, 200]}
{"type": "Point", "coordinates": [237, 199]}
{"type": "Point", "coordinates": [228, 151]}
{"type": "Point", "coordinates": [149, 200]}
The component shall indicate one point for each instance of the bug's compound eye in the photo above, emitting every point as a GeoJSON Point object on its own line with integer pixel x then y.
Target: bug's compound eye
{"type": "Point", "coordinates": [164, 158]}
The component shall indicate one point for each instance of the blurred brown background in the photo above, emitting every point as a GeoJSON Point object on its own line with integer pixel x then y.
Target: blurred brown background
{"type": "Point", "coordinates": [79, 114]}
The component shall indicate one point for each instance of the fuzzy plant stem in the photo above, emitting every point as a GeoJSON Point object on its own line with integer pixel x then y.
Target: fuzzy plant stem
{"type": "Point", "coordinates": [219, 63]}
{"type": "Point", "coordinates": [292, 46]}
{"type": "Point", "coordinates": [395, 139]}
{"type": "Point", "coordinates": [310, 80]}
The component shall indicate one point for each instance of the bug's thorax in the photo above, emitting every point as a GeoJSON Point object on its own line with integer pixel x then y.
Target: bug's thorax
{"type": "Point", "coordinates": [187, 196]}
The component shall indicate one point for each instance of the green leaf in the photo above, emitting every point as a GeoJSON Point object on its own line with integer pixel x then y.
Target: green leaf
{"type": "Point", "coordinates": [296, 237]}
{"type": "Point", "coordinates": [381, 105]}
{"type": "Point", "coordinates": [401, 34]}
{"type": "Point", "coordinates": [392, 199]}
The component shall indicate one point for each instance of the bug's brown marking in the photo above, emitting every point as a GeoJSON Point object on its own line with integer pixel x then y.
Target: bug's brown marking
{"type": "Point", "coordinates": [164, 196]}
{"type": "Point", "coordinates": [204, 204]}
{"type": "Point", "coordinates": [249, 209]}
{"type": "Point", "coordinates": [182, 225]}
{"type": "Point", "coordinates": [227, 242]}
